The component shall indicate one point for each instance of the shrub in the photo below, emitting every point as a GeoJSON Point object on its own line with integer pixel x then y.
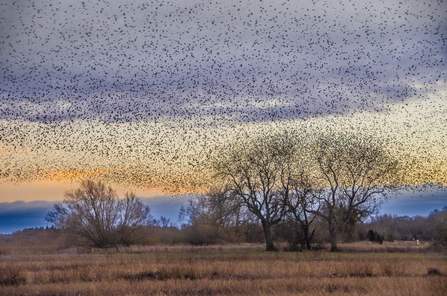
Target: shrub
{"type": "Point", "coordinates": [373, 236]}
{"type": "Point", "coordinates": [11, 275]}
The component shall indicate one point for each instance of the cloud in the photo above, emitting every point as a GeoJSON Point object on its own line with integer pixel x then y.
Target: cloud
{"type": "Point", "coordinates": [19, 215]}
{"type": "Point", "coordinates": [146, 92]}
{"type": "Point", "coordinates": [166, 206]}
{"type": "Point", "coordinates": [416, 203]}
{"type": "Point", "coordinates": [169, 59]}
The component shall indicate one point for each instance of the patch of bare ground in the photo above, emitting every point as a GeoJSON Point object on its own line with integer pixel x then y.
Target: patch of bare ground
{"type": "Point", "coordinates": [224, 270]}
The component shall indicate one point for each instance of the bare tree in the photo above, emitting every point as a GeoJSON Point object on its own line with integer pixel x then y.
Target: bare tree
{"type": "Point", "coordinates": [358, 172]}
{"type": "Point", "coordinates": [133, 214]}
{"type": "Point", "coordinates": [216, 208]}
{"type": "Point", "coordinates": [227, 210]}
{"type": "Point", "coordinates": [252, 171]}
{"type": "Point", "coordinates": [438, 226]}
{"type": "Point", "coordinates": [300, 186]}
{"type": "Point", "coordinates": [164, 222]}
{"type": "Point", "coordinates": [301, 198]}
{"type": "Point", "coordinates": [94, 213]}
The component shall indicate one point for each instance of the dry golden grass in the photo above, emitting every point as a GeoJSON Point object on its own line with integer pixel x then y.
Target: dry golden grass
{"type": "Point", "coordinates": [389, 247]}
{"type": "Point", "coordinates": [225, 270]}
{"type": "Point", "coordinates": [357, 247]}
{"type": "Point", "coordinates": [243, 247]}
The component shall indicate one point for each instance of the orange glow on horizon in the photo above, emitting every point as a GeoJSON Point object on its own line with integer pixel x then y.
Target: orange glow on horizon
{"type": "Point", "coordinates": [54, 191]}
{"type": "Point", "coordinates": [174, 159]}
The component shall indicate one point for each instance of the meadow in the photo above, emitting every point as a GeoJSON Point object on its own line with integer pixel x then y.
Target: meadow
{"type": "Point", "coordinates": [363, 268]}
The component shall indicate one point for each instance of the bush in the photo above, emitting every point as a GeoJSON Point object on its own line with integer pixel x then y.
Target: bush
{"type": "Point", "coordinates": [11, 275]}
{"type": "Point", "coordinates": [290, 232]}
{"type": "Point", "coordinates": [373, 236]}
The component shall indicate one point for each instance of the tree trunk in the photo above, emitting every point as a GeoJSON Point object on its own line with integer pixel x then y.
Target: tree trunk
{"type": "Point", "coordinates": [308, 239]}
{"type": "Point", "coordinates": [269, 246]}
{"type": "Point", "coordinates": [333, 235]}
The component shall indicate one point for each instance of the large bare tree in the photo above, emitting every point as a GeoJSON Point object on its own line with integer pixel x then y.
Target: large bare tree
{"type": "Point", "coordinates": [358, 173]}
{"type": "Point", "coordinates": [94, 213]}
{"type": "Point", "coordinates": [253, 171]}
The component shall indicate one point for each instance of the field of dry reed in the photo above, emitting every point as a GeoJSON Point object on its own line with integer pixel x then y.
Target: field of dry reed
{"type": "Point", "coordinates": [360, 269]}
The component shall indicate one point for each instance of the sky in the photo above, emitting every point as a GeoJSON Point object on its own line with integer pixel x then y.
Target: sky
{"type": "Point", "coordinates": [142, 94]}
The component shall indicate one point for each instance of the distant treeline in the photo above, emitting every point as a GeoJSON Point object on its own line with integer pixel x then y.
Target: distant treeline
{"type": "Point", "coordinates": [201, 228]}
{"type": "Point", "coordinates": [207, 223]}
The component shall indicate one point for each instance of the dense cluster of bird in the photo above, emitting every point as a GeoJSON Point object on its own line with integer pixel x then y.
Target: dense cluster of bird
{"type": "Point", "coordinates": [143, 92]}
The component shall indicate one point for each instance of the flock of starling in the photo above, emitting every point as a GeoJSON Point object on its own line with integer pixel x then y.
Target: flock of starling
{"type": "Point", "coordinates": [145, 92]}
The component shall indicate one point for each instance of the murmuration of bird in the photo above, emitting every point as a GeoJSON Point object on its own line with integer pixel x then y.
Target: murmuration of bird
{"type": "Point", "coordinates": [145, 94]}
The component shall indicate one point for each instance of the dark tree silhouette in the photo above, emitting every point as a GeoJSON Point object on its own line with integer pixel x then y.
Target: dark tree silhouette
{"type": "Point", "coordinates": [301, 198]}
{"type": "Point", "coordinates": [358, 173]}
{"type": "Point", "coordinates": [252, 171]}
{"type": "Point", "coordinates": [94, 213]}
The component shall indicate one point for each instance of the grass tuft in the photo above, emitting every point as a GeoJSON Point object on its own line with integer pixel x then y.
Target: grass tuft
{"type": "Point", "coordinates": [11, 275]}
{"type": "Point", "coordinates": [433, 271]}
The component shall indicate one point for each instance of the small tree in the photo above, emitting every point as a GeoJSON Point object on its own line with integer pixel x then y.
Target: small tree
{"type": "Point", "coordinates": [357, 173]}
{"type": "Point", "coordinates": [438, 226]}
{"type": "Point", "coordinates": [216, 210]}
{"type": "Point", "coordinates": [94, 213]}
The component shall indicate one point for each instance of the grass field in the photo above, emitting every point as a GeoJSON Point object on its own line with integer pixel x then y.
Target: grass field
{"type": "Point", "coordinates": [362, 269]}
